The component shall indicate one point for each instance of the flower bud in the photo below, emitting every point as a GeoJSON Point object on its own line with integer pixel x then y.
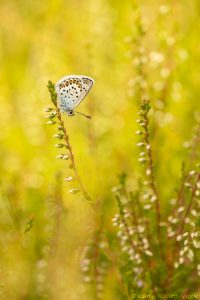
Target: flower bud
{"type": "Point", "coordinates": [51, 122]}
{"type": "Point", "coordinates": [142, 153]}
{"type": "Point", "coordinates": [139, 121]}
{"type": "Point", "coordinates": [142, 159]}
{"type": "Point", "coordinates": [74, 191]}
{"type": "Point", "coordinates": [68, 179]}
{"type": "Point", "coordinates": [148, 253]}
{"type": "Point", "coordinates": [66, 157]}
{"type": "Point", "coordinates": [193, 172]}
{"type": "Point", "coordinates": [48, 109]}
{"type": "Point", "coordinates": [60, 156]}
{"type": "Point", "coordinates": [139, 132]}
{"type": "Point", "coordinates": [58, 136]}
{"type": "Point", "coordinates": [140, 144]}
{"type": "Point", "coordinates": [59, 145]}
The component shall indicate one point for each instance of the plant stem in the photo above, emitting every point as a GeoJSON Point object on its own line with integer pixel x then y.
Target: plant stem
{"type": "Point", "coordinates": [194, 189]}
{"type": "Point", "coordinates": [71, 155]}
{"type": "Point", "coordinates": [53, 94]}
{"type": "Point", "coordinates": [152, 180]}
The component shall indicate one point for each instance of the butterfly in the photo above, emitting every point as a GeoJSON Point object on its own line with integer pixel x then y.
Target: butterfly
{"type": "Point", "coordinates": [71, 90]}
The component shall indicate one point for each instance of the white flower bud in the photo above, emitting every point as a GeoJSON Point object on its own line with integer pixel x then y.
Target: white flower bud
{"type": "Point", "coordinates": [60, 156]}
{"type": "Point", "coordinates": [148, 253]}
{"type": "Point", "coordinates": [176, 265]}
{"type": "Point", "coordinates": [196, 244]}
{"type": "Point", "coordinates": [66, 157]}
{"type": "Point", "coordinates": [148, 173]}
{"type": "Point", "coordinates": [59, 145]}
{"type": "Point", "coordinates": [174, 221]}
{"type": "Point", "coordinates": [182, 208]}
{"type": "Point", "coordinates": [142, 153]}
{"type": "Point", "coordinates": [58, 136]}
{"type": "Point", "coordinates": [141, 228]}
{"type": "Point", "coordinates": [147, 206]}
{"type": "Point", "coordinates": [187, 184]}
{"type": "Point", "coordinates": [140, 144]}
{"type": "Point", "coordinates": [142, 159]}
{"type": "Point", "coordinates": [181, 260]}
{"type": "Point", "coordinates": [179, 238]}
{"type": "Point", "coordinates": [193, 212]}
{"type": "Point", "coordinates": [139, 283]}
{"type": "Point", "coordinates": [69, 178]}
{"type": "Point", "coordinates": [139, 132]}
{"type": "Point", "coordinates": [74, 191]}
{"type": "Point", "coordinates": [50, 122]}
{"type": "Point", "coordinates": [190, 255]}
{"type": "Point", "coordinates": [171, 233]}
{"type": "Point", "coordinates": [139, 121]}
{"type": "Point", "coordinates": [87, 279]}
{"type": "Point", "coordinates": [153, 198]}
{"type": "Point", "coordinates": [192, 173]}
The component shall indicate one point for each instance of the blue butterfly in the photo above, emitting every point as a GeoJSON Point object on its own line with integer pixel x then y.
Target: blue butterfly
{"type": "Point", "coordinates": [71, 90]}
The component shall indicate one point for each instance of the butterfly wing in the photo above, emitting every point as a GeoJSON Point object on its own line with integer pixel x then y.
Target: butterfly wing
{"type": "Point", "coordinates": [87, 83]}
{"type": "Point", "coordinates": [69, 89]}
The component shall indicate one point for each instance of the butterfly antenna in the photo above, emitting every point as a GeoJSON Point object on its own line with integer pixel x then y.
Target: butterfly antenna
{"type": "Point", "coordinates": [88, 117]}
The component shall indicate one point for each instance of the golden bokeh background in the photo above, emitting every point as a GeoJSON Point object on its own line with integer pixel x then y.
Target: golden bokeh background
{"type": "Point", "coordinates": [132, 49]}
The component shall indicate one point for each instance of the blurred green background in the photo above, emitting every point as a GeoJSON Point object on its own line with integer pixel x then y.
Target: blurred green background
{"type": "Point", "coordinates": [133, 49]}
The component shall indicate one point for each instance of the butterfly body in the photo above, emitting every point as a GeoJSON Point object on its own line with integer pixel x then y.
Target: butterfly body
{"type": "Point", "coordinates": [71, 90]}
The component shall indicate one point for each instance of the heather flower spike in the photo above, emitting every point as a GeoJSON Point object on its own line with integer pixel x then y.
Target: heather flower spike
{"type": "Point", "coordinates": [55, 117]}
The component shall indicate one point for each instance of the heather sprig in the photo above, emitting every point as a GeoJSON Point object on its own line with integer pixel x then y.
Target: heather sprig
{"type": "Point", "coordinates": [138, 85]}
{"type": "Point", "coordinates": [182, 229]}
{"type": "Point", "coordinates": [134, 240]}
{"type": "Point", "coordinates": [146, 158]}
{"type": "Point", "coordinates": [55, 117]}
{"type": "Point", "coordinates": [94, 262]}
{"type": "Point", "coordinates": [139, 214]}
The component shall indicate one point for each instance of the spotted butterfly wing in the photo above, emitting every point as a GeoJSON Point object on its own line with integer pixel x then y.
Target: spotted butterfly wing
{"type": "Point", "coordinates": [71, 90]}
{"type": "Point", "coordinates": [87, 84]}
